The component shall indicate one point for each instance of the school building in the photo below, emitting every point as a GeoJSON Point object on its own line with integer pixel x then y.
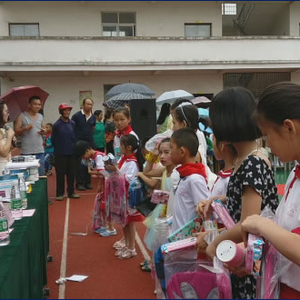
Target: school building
{"type": "Point", "coordinates": [77, 48]}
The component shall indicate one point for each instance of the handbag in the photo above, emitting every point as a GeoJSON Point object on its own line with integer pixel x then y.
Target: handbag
{"type": "Point", "coordinates": [146, 207]}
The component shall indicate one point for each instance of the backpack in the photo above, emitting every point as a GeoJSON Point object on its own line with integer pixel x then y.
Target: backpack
{"type": "Point", "coordinates": [201, 284]}
{"type": "Point", "coordinates": [136, 193]}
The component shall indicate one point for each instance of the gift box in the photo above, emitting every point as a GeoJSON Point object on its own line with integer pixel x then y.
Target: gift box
{"type": "Point", "coordinates": [160, 197]}
{"type": "Point", "coordinates": [188, 230]}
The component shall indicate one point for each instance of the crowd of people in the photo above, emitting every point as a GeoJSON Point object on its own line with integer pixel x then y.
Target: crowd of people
{"type": "Point", "coordinates": [177, 164]}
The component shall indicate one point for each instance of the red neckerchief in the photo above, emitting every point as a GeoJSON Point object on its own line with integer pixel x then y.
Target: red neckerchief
{"type": "Point", "coordinates": [222, 174]}
{"type": "Point", "coordinates": [296, 176]}
{"type": "Point", "coordinates": [131, 157]}
{"type": "Point", "coordinates": [98, 153]}
{"type": "Point", "coordinates": [225, 174]}
{"type": "Point", "coordinates": [191, 168]}
{"type": "Point", "coordinates": [120, 133]}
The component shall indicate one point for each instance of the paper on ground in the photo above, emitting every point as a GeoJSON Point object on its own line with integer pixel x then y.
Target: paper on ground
{"type": "Point", "coordinates": [77, 278]}
{"type": "Point", "coordinates": [28, 212]}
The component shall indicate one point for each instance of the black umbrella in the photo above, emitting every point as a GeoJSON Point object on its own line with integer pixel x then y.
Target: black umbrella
{"type": "Point", "coordinates": [129, 88]}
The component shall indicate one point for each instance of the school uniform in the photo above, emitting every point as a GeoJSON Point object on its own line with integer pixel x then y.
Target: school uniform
{"type": "Point", "coordinates": [128, 166]}
{"type": "Point", "coordinates": [288, 217]}
{"type": "Point", "coordinates": [117, 140]}
{"type": "Point", "coordinates": [192, 188]}
{"type": "Point", "coordinates": [220, 185]}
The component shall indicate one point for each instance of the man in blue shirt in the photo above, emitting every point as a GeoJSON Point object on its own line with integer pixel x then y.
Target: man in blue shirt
{"type": "Point", "coordinates": [85, 122]}
{"type": "Point", "coordinates": [63, 140]}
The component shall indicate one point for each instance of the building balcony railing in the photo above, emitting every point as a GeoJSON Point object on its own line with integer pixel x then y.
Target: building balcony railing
{"type": "Point", "coordinates": [147, 53]}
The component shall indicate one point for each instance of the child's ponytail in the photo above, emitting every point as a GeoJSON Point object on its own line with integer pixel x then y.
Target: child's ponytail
{"type": "Point", "coordinates": [131, 140]}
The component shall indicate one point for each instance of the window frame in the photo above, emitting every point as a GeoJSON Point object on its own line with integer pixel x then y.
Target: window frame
{"type": "Point", "coordinates": [198, 24]}
{"type": "Point", "coordinates": [9, 29]}
{"type": "Point", "coordinates": [224, 9]}
{"type": "Point", "coordinates": [118, 25]}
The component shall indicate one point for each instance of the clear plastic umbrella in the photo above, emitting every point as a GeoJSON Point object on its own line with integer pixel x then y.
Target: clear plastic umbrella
{"type": "Point", "coordinates": [172, 96]}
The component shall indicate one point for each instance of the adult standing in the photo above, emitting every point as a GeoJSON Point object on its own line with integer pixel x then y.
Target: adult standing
{"type": "Point", "coordinates": [85, 122]}
{"type": "Point", "coordinates": [99, 131]}
{"type": "Point", "coordinates": [63, 140]}
{"type": "Point", "coordinates": [30, 126]}
{"type": "Point", "coordinates": [6, 137]}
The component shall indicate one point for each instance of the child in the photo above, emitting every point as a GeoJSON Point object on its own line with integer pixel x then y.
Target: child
{"type": "Point", "coordinates": [222, 151]}
{"type": "Point", "coordinates": [48, 150]}
{"type": "Point", "coordinates": [164, 172]}
{"type": "Point", "coordinates": [122, 121]}
{"type": "Point", "coordinates": [99, 131]}
{"type": "Point", "coordinates": [278, 113]}
{"type": "Point", "coordinates": [186, 115]}
{"type": "Point", "coordinates": [129, 165]}
{"type": "Point", "coordinates": [251, 186]}
{"type": "Point", "coordinates": [193, 183]}
{"type": "Point", "coordinates": [84, 150]}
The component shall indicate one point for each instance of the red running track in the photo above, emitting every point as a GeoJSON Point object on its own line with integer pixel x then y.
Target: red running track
{"type": "Point", "coordinates": [92, 255]}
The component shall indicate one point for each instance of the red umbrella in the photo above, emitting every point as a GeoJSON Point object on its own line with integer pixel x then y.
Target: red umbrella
{"type": "Point", "coordinates": [17, 98]}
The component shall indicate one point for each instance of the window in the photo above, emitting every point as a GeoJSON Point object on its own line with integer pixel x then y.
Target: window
{"type": "Point", "coordinates": [24, 29]}
{"type": "Point", "coordinates": [229, 9]}
{"type": "Point", "coordinates": [194, 29]}
{"type": "Point", "coordinates": [118, 24]}
{"type": "Point", "coordinates": [106, 88]}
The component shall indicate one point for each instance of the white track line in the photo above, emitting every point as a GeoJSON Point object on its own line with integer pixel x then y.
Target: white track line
{"type": "Point", "coordinates": [63, 265]}
{"type": "Point", "coordinates": [141, 246]}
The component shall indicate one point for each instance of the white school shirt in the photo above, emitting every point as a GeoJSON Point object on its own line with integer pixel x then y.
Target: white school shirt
{"type": "Point", "coordinates": [288, 217]}
{"type": "Point", "coordinates": [220, 186]}
{"type": "Point", "coordinates": [98, 158]}
{"type": "Point", "coordinates": [129, 169]}
{"type": "Point", "coordinates": [190, 191]}
{"type": "Point", "coordinates": [117, 144]}
{"type": "Point", "coordinates": [202, 149]}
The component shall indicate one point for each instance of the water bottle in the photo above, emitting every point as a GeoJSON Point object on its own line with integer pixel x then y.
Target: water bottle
{"type": "Point", "coordinates": [4, 230]}
{"type": "Point", "coordinates": [16, 202]}
{"type": "Point", "coordinates": [22, 186]}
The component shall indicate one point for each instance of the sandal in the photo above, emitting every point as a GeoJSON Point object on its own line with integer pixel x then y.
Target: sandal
{"type": "Point", "coordinates": [145, 262]}
{"type": "Point", "coordinates": [146, 268]}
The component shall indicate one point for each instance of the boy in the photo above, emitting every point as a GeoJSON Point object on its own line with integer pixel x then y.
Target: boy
{"type": "Point", "coordinates": [48, 147]}
{"type": "Point", "coordinates": [192, 186]}
{"type": "Point", "coordinates": [85, 151]}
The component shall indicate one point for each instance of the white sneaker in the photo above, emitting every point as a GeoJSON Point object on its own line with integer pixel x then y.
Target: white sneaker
{"type": "Point", "coordinates": [128, 254]}
{"type": "Point", "coordinates": [119, 252]}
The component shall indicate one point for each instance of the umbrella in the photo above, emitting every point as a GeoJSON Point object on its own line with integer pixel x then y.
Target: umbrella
{"type": "Point", "coordinates": [121, 99]}
{"type": "Point", "coordinates": [17, 98]}
{"type": "Point", "coordinates": [171, 96]}
{"type": "Point", "coordinates": [129, 88]}
{"type": "Point", "coordinates": [200, 100]}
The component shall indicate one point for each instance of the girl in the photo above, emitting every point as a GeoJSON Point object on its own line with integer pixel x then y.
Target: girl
{"type": "Point", "coordinates": [226, 152]}
{"type": "Point", "coordinates": [164, 121]}
{"type": "Point", "coordinates": [251, 186]}
{"type": "Point", "coordinates": [130, 164]}
{"type": "Point", "coordinates": [186, 115]}
{"type": "Point", "coordinates": [122, 121]}
{"type": "Point", "coordinates": [278, 113]}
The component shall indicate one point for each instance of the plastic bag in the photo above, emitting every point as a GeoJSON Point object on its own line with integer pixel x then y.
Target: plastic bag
{"type": "Point", "coordinates": [136, 193]}
{"type": "Point", "coordinates": [186, 277]}
{"type": "Point", "coordinates": [150, 145]}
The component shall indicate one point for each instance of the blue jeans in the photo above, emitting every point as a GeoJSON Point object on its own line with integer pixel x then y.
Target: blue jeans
{"type": "Point", "coordinates": [41, 157]}
{"type": "Point", "coordinates": [47, 162]}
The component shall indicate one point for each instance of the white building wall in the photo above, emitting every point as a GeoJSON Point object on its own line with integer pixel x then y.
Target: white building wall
{"type": "Point", "coordinates": [294, 18]}
{"type": "Point", "coordinates": [66, 88]}
{"type": "Point", "coordinates": [83, 18]}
